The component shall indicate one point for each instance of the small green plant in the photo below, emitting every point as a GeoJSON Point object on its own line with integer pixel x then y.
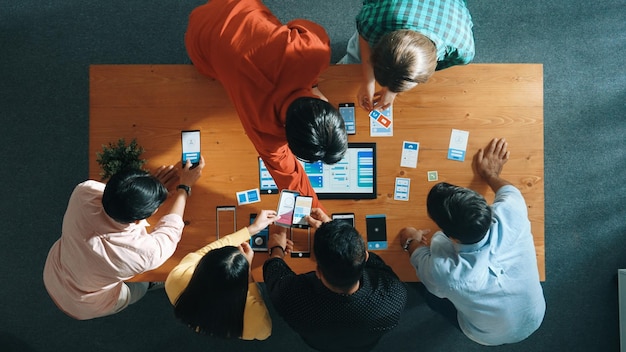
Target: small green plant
{"type": "Point", "coordinates": [117, 157]}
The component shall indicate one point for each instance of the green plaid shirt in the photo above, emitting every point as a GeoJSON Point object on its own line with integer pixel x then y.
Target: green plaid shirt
{"type": "Point", "coordinates": [447, 23]}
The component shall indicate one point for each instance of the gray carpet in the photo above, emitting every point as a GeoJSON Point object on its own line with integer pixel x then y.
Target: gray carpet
{"type": "Point", "coordinates": [45, 51]}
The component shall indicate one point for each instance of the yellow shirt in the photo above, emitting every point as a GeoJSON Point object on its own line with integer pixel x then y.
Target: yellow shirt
{"type": "Point", "coordinates": [257, 323]}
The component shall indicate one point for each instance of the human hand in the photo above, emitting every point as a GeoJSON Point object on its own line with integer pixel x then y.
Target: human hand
{"type": "Point", "coordinates": [280, 239]}
{"type": "Point", "coordinates": [189, 176]}
{"type": "Point", "coordinates": [263, 220]}
{"type": "Point", "coordinates": [414, 234]}
{"type": "Point", "coordinates": [167, 175]}
{"type": "Point", "coordinates": [489, 162]}
{"type": "Point", "coordinates": [317, 218]}
{"type": "Point", "coordinates": [247, 252]}
{"type": "Point", "coordinates": [383, 99]}
{"type": "Point", "coordinates": [365, 95]}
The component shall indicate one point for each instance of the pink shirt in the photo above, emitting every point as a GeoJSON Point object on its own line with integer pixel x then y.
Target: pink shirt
{"type": "Point", "coordinates": [86, 267]}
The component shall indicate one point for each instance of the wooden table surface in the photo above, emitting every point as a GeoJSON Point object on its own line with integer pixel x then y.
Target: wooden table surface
{"type": "Point", "coordinates": [153, 103]}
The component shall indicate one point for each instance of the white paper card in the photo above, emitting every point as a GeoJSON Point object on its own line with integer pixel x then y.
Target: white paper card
{"type": "Point", "coordinates": [458, 145]}
{"type": "Point", "coordinates": [248, 196]}
{"type": "Point", "coordinates": [402, 188]}
{"type": "Point", "coordinates": [410, 151]}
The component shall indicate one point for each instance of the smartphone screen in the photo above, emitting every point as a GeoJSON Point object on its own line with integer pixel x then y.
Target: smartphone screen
{"type": "Point", "coordinates": [346, 217]}
{"type": "Point", "coordinates": [191, 146]}
{"type": "Point", "coordinates": [347, 112]}
{"type": "Point", "coordinates": [302, 208]}
{"type": "Point", "coordinates": [258, 242]}
{"type": "Point", "coordinates": [301, 239]}
{"type": "Point", "coordinates": [286, 206]}
{"type": "Point", "coordinates": [376, 231]}
{"type": "Point", "coordinates": [226, 220]}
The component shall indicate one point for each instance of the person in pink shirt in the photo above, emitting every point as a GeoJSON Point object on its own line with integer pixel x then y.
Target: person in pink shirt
{"type": "Point", "coordinates": [104, 241]}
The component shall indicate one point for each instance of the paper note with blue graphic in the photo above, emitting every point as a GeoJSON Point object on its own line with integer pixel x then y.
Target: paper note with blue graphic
{"type": "Point", "coordinates": [458, 145]}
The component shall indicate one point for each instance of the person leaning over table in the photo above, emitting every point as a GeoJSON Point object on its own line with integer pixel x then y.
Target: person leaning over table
{"type": "Point", "coordinates": [270, 72]}
{"type": "Point", "coordinates": [104, 241]}
{"type": "Point", "coordinates": [351, 299]}
{"type": "Point", "coordinates": [400, 44]}
{"type": "Point", "coordinates": [213, 291]}
{"type": "Point", "coordinates": [480, 270]}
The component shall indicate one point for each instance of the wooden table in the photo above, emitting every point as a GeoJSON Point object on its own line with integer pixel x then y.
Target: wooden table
{"type": "Point", "coordinates": [153, 103]}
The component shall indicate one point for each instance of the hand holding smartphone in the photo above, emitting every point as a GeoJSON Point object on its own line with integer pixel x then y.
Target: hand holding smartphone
{"type": "Point", "coordinates": [190, 142]}
{"type": "Point", "coordinates": [293, 208]}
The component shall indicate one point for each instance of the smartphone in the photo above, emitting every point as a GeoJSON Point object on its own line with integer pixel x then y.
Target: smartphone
{"type": "Point", "coordinates": [376, 225]}
{"type": "Point", "coordinates": [301, 239]}
{"type": "Point", "coordinates": [301, 210]}
{"type": "Point", "coordinates": [346, 217]}
{"type": "Point", "coordinates": [346, 110]}
{"type": "Point", "coordinates": [286, 207]}
{"type": "Point", "coordinates": [258, 242]}
{"type": "Point", "coordinates": [226, 220]}
{"type": "Point", "coordinates": [190, 141]}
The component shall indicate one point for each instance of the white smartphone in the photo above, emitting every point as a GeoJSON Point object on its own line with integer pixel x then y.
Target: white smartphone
{"type": "Point", "coordinates": [190, 141]}
{"type": "Point", "coordinates": [286, 206]}
{"type": "Point", "coordinates": [301, 210]}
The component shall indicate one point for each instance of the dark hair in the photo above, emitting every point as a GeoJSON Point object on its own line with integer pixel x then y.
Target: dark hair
{"type": "Point", "coordinates": [215, 298]}
{"type": "Point", "coordinates": [402, 59]}
{"type": "Point", "coordinates": [460, 212]}
{"type": "Point", "coordinates": [315, 131]}
{"type": "Point", "coordinates": [340, 253]}
{"type": "Point", "coordinates": [132, 195]}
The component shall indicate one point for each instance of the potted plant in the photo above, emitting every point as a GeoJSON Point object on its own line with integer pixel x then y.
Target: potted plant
{"type": "Point", "coordinates": [117, 157]}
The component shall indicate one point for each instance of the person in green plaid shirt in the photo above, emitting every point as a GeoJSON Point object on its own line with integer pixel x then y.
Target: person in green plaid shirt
{"type": "Point", "coordinates": [401, 43]}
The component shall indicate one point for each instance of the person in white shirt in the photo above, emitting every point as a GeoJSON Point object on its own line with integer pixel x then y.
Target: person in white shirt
{"type": "Point", "coordinates": [104, 241]}
{"type": "Point", "coordinates": [480, 270]}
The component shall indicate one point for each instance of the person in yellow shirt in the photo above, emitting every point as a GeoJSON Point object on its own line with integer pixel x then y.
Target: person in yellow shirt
{"type": "Point", "coordinates": [213, 292]}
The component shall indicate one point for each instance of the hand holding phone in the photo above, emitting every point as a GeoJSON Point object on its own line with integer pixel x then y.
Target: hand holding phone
{"type": "Point", "coordinates": [293, 209]}
{"type": "Point", "coordinates": [190, 142]}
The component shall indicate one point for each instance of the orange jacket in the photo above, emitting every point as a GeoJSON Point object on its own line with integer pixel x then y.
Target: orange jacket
{"type": "Point", "coordinates": [264, 66]}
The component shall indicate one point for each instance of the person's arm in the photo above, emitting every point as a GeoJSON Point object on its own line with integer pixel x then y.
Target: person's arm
{"type": "Point", "coordinates": [365, 95]}
{"type": "Point", "coordinates": [488, 163]}
{"type": "Point", "coordinates": [412, 238]}
{"type": "Point", "coordinates": [188, 177]}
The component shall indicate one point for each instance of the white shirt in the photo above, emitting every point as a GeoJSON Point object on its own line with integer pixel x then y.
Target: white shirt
{"type": "Point", "coordinates": [86, 267]}
{"type": "Point", "coordinates": [494, 284]}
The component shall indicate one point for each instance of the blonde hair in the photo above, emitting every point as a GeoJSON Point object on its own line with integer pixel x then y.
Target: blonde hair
{"type": "Point", "coordinates": [403, 59]}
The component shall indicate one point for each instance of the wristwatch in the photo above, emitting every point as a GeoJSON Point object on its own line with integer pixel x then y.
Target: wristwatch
{"type": "Point", "coordinates": [186, 188]}
{"type": "Point", "coordinates": [407, 243]}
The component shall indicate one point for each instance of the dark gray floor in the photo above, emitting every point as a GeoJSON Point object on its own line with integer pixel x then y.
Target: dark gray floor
{"type": "Point", "coordinates": [46, 48]}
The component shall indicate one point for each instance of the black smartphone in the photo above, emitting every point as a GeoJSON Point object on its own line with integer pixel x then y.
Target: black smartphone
{"type": "Point", "coordinates": [346, 110]}
{"type": "Point", "coordinates": [190, 142]}
{"type": "Point", "coordinates": [376, 225]}
{"type": "Point", "coordinates": [258, 242]}
{"type": "Point", "coordinates": [226, 220]}
{"type": "Point", "coordinates": [346, 217]}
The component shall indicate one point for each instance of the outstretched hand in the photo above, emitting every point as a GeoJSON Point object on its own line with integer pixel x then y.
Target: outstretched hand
{"type": "Point", "coordinates": [489, 162]}
{"type": "Point", "coordinates": [265, 218]}
{"type": "Point", "coordinates": [167, 175]}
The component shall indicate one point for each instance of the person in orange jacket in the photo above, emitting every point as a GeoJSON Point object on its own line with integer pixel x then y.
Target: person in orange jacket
{"type": "Point", "coordinates": [270, 72]}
